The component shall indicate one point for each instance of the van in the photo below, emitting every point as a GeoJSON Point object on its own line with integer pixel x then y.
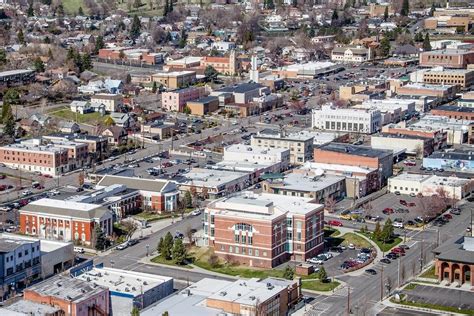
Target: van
{"type": "Point", "coordinates": [79, 250]}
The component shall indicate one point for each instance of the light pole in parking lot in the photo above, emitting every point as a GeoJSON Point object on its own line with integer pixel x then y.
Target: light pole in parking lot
{"type": "Point", "coordinates": [147, 249]}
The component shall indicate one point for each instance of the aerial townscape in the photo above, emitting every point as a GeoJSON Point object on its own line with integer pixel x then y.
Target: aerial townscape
{"type": "Point", "coordinates": [236, 157]}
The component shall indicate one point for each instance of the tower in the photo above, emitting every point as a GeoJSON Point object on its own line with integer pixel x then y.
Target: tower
{"type": "Point", "coordinates": [254, 69]}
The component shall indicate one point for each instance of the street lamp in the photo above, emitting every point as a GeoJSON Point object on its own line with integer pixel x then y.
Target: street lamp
{"type": "Point", "coordinates": [147, 249]}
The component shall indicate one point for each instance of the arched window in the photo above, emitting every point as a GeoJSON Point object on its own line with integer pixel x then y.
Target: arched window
{"type": "Point", "coordinates": [243, 227]}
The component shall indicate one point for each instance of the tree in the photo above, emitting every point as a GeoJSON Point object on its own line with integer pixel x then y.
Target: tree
{"type": "Point", "coordinates": [179, 252]}
{"type": "Point", "coordinates": [130, 226]}
{"type": "Point", "coordinates": [387, 231]}
{"type": "Point", "coordinates": [405, 8]}
{"type": "Point", "coordinates": [334, 17]}
{"type": "Point", "coordinates": [3, 57]}
{"type": "Point", "coordinates": [432, 9]}
{"type": "Point", "coordinates": [183, 39]}
{"type": "Point", "coordinates": [99, 44]}
{"type": "Point", "coordinates": [427, 43]}
{"type": "Point", "coordinates": [137, 4]}
{"type": "Point", "coordinates": [165, 251]}
{"type": "Point", "coordinates": [322, 274]}
{"type": "Point", "coordinates": [165, 313]}
{"type": "Point", "coordinates": [100, 239]}
{"type": "Point", "coordinates": [109, 121]}
{"type": "Point", "coordinates": [330, 204]}
{"type": "Point", "coordinates": [30, 12]}
{"type": "Point", "coordinates": [377, 231]}
{"type": "Point", "coordinates": [154, 87]}
{"type": "Point", "coordinates": [288, 273]}
{"type": "Point", "coordinates": [170, 7]}
{"type": "Point", "coordinates": [9, 124]}
{"type": "Point", "coordinates": [135, 29]}
{"type": "Point", "coordinates": [160, 245]}
{"type": "Point", "coordinates": [135, 311]}
{"type": "Point", "coordinates": [188, 199]}
{"type": "Point", "coordinates": [269, 5]}
{"type": "Point", "coordinates": [385, 14]}
{"type": "Point", "coordinates": [80, 11]}
{"type": "Point", "coordinates": [38, 65]}
{"type": "Point", "coordinates": [21, 37]}
{"type": "Point", "coordinates": [211, 73]}
{"type": "Point", "coordinates": [166, 8]}
{"type": "Point", "coordinates": [213, 261]}
{"type": "Point", "coordinates": [385, 46]}
{"type": "Point", "coordinates": [86, 62]}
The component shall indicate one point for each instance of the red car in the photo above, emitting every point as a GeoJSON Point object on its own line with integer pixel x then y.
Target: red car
{"type": "Point", "coordinates": [334, 223]}
{"type": "Point", "coordinates": [411, 204]}
{"type": "Point", "coordinates": [387, 211]}
{"type": "Point", "coordinates": [403, 202]}
{"type": "Point", "coordinates": [398, 250]}
{"type": "Point", "coordinates": [447, 216]}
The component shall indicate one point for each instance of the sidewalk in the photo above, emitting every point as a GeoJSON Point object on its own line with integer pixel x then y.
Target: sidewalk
{"type": "Point", "coordinates": [387, 302]}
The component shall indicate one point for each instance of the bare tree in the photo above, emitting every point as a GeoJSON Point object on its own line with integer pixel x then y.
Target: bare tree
{"type": "Point", "coordinates": [130, 226]}
{"type": "Point", "coordinates": [330, 204]}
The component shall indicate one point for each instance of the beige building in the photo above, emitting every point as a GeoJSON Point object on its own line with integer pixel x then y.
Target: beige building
{"type": "Point", "coordinates": [378, 10]}
{"type": "Point", "coordinates": [352, 54]}
{"type": "Point", "coordinates": [175, 79]}
{"type": "Point", "coordinates": [203, 106]}
{"type": "Point", "coordinates": [112, 102]}
{"type": "Point", "coordinates": [461, 77]}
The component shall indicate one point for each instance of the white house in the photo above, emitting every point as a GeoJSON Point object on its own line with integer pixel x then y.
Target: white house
{"type": "Point", "coordinates": [352, 54]}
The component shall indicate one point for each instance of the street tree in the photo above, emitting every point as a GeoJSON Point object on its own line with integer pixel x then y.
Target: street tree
{"type": "Point", "coordinates": [130, 227]}
{"type": "Point", "coordinates": [377, 231]}
{"type": "Point", "coordinates": [160, 245]}
{"type": "Point", "coordinates": [99, 44]}
{"type": "Point", "coordinates": [211, 73]}
{"type": "Point", "coordinates": [322, 274]}
{"type": "Point", "coordinates": [167, 246]}
{"type": "Point", "coordinates": [387, 231]}
{"type": "Point", "coordinates": [188, 199]}
{"type": "Point", "coordinates": [288, 273]}
{"type": "Point", "coordinates": [385, 47]}
{"type": "Point", "coordinates": [136, 27]}
{"type": "Point", "coordinates": [135, 311]}
{"type": "Point", "coordinates": [9, 124]}
{"type": "Point", "coordinates": [405, 8]}
{"type": "Point", "coordinates": [100, 239]}
{"type": "Point", "coordinates": [426, 43]}
{"type": "Point", "coordinates": [179, 252]}
{"type": "Point", "coordinates": [385, 14]}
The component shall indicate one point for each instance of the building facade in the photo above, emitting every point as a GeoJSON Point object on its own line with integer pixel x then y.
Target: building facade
{"type": "Point", "coordinates": [449, 58]}
{"type": "Point", "coordinates": [174, 79]}
{"type": "Point", "coordinates": [111, 102]}
{"type": "Point", "coordinates": [461, 77]}
{"type": "Point", "coordinates": [176, 100]}
{"type": "Point", "coordinates": [351, 54]}
{"type": "Point", "coordinates": [347, 120]}
{"type": "Point", "coordinates": [264, 230]}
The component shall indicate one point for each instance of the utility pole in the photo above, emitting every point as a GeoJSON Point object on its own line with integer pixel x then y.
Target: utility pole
{"type": "Point", "coordinates": [348, 300]}
{"type": "Point", "coordinates": [398, 274]}
{"type": "Point", "coordinates": [381, 284]}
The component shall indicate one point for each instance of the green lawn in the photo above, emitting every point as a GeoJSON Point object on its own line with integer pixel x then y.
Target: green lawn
{"type": "Point", "coordinates": [160, 260]}
{"type": "Point", "coordinates": [387, 245]}
{"type": "Point", "coordinates": [151, 217]}
{"type": "Point", "coordinates": [317, 285]}
{"type": "Point", "coordinates": [434, 306]}
{"type": "Point", "coordinates": [89, 118]}
{"type": "Point", "coordinates": [331, 232]}
{"type": "Point", "coordinates": [430, 273]}
{"type": "Point", "coordinates": [72, 6]}
{"type": "Point", "coordinates": [410, 286]}
{"type": "Point", "coordinates": [358, 241]}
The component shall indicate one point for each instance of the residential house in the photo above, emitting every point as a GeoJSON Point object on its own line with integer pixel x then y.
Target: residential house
{"type": "Point", "coordinates": [122, 119]}
{"type": "Point", "coordinates": [116, 135]}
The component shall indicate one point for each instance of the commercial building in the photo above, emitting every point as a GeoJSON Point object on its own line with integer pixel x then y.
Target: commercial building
{"type": "Point", "coordinates": [363, 91]}
{"type": "Point", "coordinates": [448, 24]}
{"type": "Point", "coordinates": [20, 264]}
{"type": "Point", "coordinates": [360, 156]}
{"type": "Point", "coordinates": [467, 100]}
{"type": "Point", "coordinates": [411, 145]}
{"type": "Point", "coordinates": [31, 156]}
{"type": "Point", "coordinates": [72, 296]}
{"type": "Point", "coordinates": [111, 102]}
{"type": "Point", "coordinates": [360, 181]}
{"type": "Point", "coordinates": [64, 220]}
{"type": "Point", "coordinates": [157, 130]}
{"type": "Point", "coordinates": [458, 131]}
{"type": "Point", "coordinates": [174, 79]}
{"type": "Point", "coordinates": [176, 100]}
{"type": "Point", "coordinates": [77, 152]}
{"type": "Point", "coordinates": [309, 70]}
{"type": "Point", "coordinates": [391, 110]}
{"type": "Point", "coordinates": [321, 137]}
{"type": "Point", "coordinates": [129, 289]}
{"type": "Point", "coordinates": [56, 256]}
{"type": "Point", "coordinates": [449, 58]}
{"type": "Point", "coordinates": [460, 159]}
{"type": "Point", "coordinates": [439, 136]}
{"type": "Point", "coordinates": [212, 183]}
{"type": "Point", "coordinates": [241, 297]}
{"type": "Point", "coordinates": [352, 54]}
{"type": "Point", "coordinates": [308, 184]}
{"type": "Point", "coordinates": [25, 308]}
{"type": "Point", "coordinates": [264, 230]}
{"type": "Point", "coordinates": [155, 195]}
{"type": "Point", "coordinates": [441, 91]}
{"type": "Point", "coordinates": [331, 118]}
{"type": "Point", "coordinates": [378, 10]}
{"type": "Point", "coordinates": [17, 77]}
{"type": "Point", "coordinates": [428, 185]}
{"type": "Point", "coordinates": [187, 62]}
{"type": "Point", "coordinates": [129, 55]}
{"type": "Point", "coordinates": [454, 261]}
{"type": "Point", "coordinates": [300, 145]}
{"type": "Point", "coordinates": [455, 112]}
{"type": "Point", "coordinates": [461, 77]}
{"type": "Point", "coordinates": [254, 154]}
{"type": "Point", "coordinates": [203, 106]}
{"type": "Point", "coordinates": [243, 93]}
{"type": "Point", "coordinates": [97, 146]}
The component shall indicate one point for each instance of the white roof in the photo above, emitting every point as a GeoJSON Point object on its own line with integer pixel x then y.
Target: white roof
{"type": "Point", "coordinates": [184, 61]}
{"type": "Point", "coordinates": [65, 204]}
{"type": "Point", "coordinates": [309, 66]}
{"type": "Point", "coordinates": [307, 181]}
{"type": "Point", "coordinates": [123, 281]}
{"type": "Point", "coordinates": [319, 138]}
{"type": "Point", "coordinates": [239, 148]}
{"type": "Point", "coordinates": [212, 178]}
{"type": "Point", "coordinates": [336, 167]}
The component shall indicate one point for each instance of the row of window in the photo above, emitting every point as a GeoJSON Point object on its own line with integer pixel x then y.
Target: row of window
{"type": "Point", "coordinates": [244, 251]}
{"type": "Point", "coordinates": [345, 126]}
{"type": "Point", "coordinates": [243, 239]}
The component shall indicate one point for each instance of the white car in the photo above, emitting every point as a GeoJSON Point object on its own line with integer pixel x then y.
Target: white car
{"type": "Point", "coordinates": [351, 246]}
{"type": "Point", "coordinates": [315, 261]}
{"type": "Point", "coordinates": [26, 193]}
{"type": "Point", "coordinates": [398, 224]}
{"type": "Point", "coordinates": [196, 212]}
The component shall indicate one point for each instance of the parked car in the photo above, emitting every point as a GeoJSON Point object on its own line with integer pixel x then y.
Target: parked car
{"type": "Point", "coordinates": [387, 211]}
{"type": "Point", "coordinates": [403, 202]}
{"type": "Point", "coordinates": [371, 271]}
{"type": "Point", "coordinates": [335, 223]}
{"type": "Point", "coordinates": [196, 212]}
{"type": "Point", "coordinates": [351, 246]}
{"type": "Point", "coordinates": [398, 224]}
{"type": "Point", "coordinates": [315, 260]}
{"type": "Point", "coordinates": [179, 235]}
{"type": "Point", "coordinates": [385, 260]}
{"type": "Point", "coordinates": [79, 250]}
{"type": "Point", "coordinates": [455, 211]}
{"type": "Point", "coordinates": [132, 242]}
{"type": "Point", "coordinates": [122, 246]}
{"type": "Point", "coordinates": [26, 193]}
{"type": "Point", "coordinates": [397, 192]}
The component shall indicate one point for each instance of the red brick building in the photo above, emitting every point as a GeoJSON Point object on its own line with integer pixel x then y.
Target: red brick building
{"type": "Point", "coordinates": [264, 230]}
{"type": "Point", "coordinates": [449, 58]}
{"type": "Point", "coordinates": [64, 220]}
{"type": "Point", "coordinates": [455, 112]}
{"type": "Point", "coordinates": [359, 156]}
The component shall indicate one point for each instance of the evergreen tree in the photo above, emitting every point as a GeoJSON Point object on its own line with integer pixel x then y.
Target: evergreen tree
{"type": "Point", "coordinates": [99, 44]}
{"type": "Point", "coordinates": [322, 274]}
{"type": "Point", "coordinates": [312, 32]}
{"type": "Point", "coordinates": [80, 11]}
{"type": "Point", "coordinates": [9, 123]}
{"type": "Point", "coordinates": [288, 273]}
{"type": "Point", "coordinates": [387, 231]}
{"type": "Point", "coordinates": [165, 313]}
{"type": "Point", "coordinates": [187, 110]}
{"type": "Point", "coordinates": [294, 3]}
{"type": "Point", "coordinates": [433, 9]}
{"type": "Point", "coordinates": [335, 16]}
{"type": "Point", "coordinates": [183, 38]}
{"type": "Point", "coordinates": [137, 4]}
{"type": "Point", "coordinates": [11, 96]}
{"type": "Point", "coordinates": [426, 43]}
{"type": "Point", "coordinates": [154, 87]}
{"type": "Point", "coordinates": [30, 12]}
{"type": "Point", "coordinates": [6, 108]}
{"type": "Point", "coordinates": [3, 57]}
{"type": "Point", "coordinates": [188, 199]}
{"type": "Point", "coordinates": [100, 239]}
{"type": "Point", "coordinates": [70, 54]}
{"type": "Point", "coordinates": [405, 8]}
{"type": "Point", "coordinates": [385, 14]}
{"type": "Point", "coordinates": [135, 311]}
{"type": "Point", "coordinates": [211, 73]}
{"type": "Point", "coordinates": [385, 46]}
{"type": "Point", "coordinates": [60, 10]}
{"type": "Point", "coordinates": [377, 231]}
{"type": "Point", "coordinates": [269, 5]}
{"type": "Point", "coordinates": [170, 7]}
{"type": "Point", "coordinates": [166, 8]}
{"type": "Point", "coordinates": [135, 29]}
{"type": "Point", "coordinates": [38, 65]}
{"type": "Point", "coordinates": [179, 252]}
{"type": "Point", "coordinates": [50, 54]}
{"type": "Point", "coordinates": [167, 246]}
{"type": "Point", "coordinates": [160, 244]}
{"type": "Point", "coordinates": [21, 37]}
{"type": "Point", "coordinates": [86, 62]}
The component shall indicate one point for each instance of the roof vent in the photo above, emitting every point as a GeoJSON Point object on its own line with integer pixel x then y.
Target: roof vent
{"type": "Point", "coordinates": [223, 293]}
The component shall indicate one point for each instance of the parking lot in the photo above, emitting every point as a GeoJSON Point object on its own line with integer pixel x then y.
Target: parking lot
{"type": "Point", "coordinates": [441, 296]}
{"type": "Point", "coordinates": [407, 212]}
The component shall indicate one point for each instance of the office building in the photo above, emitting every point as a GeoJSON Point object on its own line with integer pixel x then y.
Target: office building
{"type": "Point", "coordinates": [460, 159]}
{"type": "Point", "coordinates": [259, 155]}
{"type": "Point", "coordinates": [174, 79]}
{"type": "Point", "coordinates": [176, 100]}
{"type": "Point", "coordinates": [331, 118]}
{"type": "Point", "coordinates": [449, 58]}
{"type": "Point", "coordinates": [351, 54]}
{"type": "Point", "coordinates": [264, 230]}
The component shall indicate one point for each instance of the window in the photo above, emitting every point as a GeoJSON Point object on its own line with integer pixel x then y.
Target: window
{"type": "Point", "coordinates": [257, 253]}
{"type": "Point", "coordinates": [298, 236]}
{"type": "Point", "coordinates": [212, 231]}
{"type": "Point", "coordinates": [236, 249]}
{"type": "Point", "coordinates": [244, 239]}
{"type": "Point", "coordinates": [231, 249]}
{"type": "Point", "coordinates": [250, 240]}
{"type": "Point", "coordinates": [236, 238]}
{"type": "Point", "coordinates": [250, 252]}
{"type": "Point", "coordinates": [264, 253]}
{"type": "Point", "coordinates": [212, 219]}
{"type": "Point", "coordinates": [222, 247]}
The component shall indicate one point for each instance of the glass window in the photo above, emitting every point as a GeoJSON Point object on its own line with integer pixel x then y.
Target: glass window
{"type": "Point", "coordinates": [257, 253]}
{"type": "Point", "coordinates": [244, 239]}
{"type": "Point", "coordinates": [236, 249]}
{"type": "Point", "coordinates": [250, 252]}
{"type": "Point", "coordinates": [236, 238]}
{"type": "Point", "coordinates": [250, 240]}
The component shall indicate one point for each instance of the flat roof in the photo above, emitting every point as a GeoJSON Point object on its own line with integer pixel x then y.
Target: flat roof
{"type": "Point", "coordinates": [241, 88]}
{"type": "Point", "coordinates": [65, 208]}
{"type": "Point", "coordinates": [257, 150]}
{"type": "Point", "coordinates": [438, 122]}
{"type": "Point", "coordinates": [454, 154]}
{"type": "Point", "coordinates": [431, 179]}
{"type": "Point", "coordinates": [123, 281]}
{"type": "Point", "coordinates": [210, 177]}
{"type": "Point", "coordinates": [15, 72]}
{"type": "Point", "coordinates": [204, 99]}
{"type": "Point", "coordinates": [241, 166]}
{"type": "Point", "coordinates": [306, 181]}
{"type": "Point", "coordinates": [10, 244]}
{"type": "Point", "coordinates": [453, 108]}
{"type": "Point", "coordinates": [263, 206]}
{"type": "Point", "coordinates": [174, 73]}
{"type": "Point", "coordinates": [427, 86]}
{"type": "Point", "coordinates": [310, 66]}
{"type": "Point", "coordinates": [154, 185]}
{"type": "Point", "coordinates": [66, 288]}
{"type": "Point", "coordinates": [399, 136]}
{"type": "Point", "coordinates": [347, 169]}
{"type": "Point", "coordinates": [274, 134]}
{"type": "Point", "coordinates": [45, 244]}
{"type": "Point", "coordinates": [319, 138]}
{"type": "Point", "coordinates": [25, 307]}
{"type": "Point", "coordinates": [38, 148]}
{"type": "Point", "coordinates": [356, 150]}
